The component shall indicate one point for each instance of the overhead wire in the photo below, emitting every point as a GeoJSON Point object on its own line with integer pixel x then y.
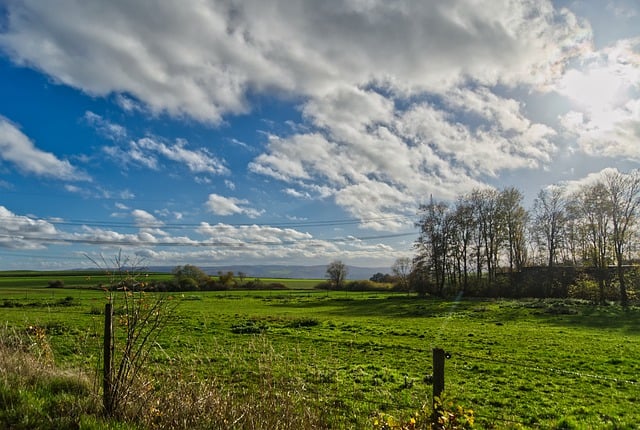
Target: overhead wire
{"type": "Point", "coordinates": [178, 226]}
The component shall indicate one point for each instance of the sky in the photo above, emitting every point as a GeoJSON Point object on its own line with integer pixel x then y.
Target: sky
{"type": "Point", "coordinates": [218, 132]}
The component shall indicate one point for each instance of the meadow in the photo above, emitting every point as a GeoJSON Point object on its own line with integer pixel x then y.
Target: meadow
{"type": "Point", "coordinates": [355, 358]}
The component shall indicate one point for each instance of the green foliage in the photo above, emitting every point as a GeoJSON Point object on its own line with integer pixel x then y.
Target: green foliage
{"type": "Point", "coordinates": [448, 415]}
{"type": "Point", "coordinates": [347, 356]}
{"type": "Point", "coordinates": [249, 327]}
{"type": "Point", "coordinates": [56, 284]}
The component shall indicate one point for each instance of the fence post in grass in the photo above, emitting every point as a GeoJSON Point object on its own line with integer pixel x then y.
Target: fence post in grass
{"type": "Point", "coordinates": [107, 401]}
{"type": "Point", "coordinates": [438, 375]}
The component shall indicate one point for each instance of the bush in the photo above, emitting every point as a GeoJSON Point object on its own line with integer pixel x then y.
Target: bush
{"type": "Point", "coordinates": [366, 285]}
{"type": "Point", "coordinates": [56, 284]}
{"type": "Point", "coordinates": [188, 284]}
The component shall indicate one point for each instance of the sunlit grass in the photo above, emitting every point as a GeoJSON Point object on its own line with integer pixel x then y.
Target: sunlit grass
{"type": "Point", "coordinates": [350, 356]}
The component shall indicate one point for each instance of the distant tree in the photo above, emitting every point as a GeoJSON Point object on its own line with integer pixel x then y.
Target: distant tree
{"type": "Point", "coordinates": [226, 279]}
{"type": "Point", "coordinates": [401, 268]}
{"type": "Point", "coordinates": [378, 277]}
{"type": "Point", "coordinates": [336, 273]}
{"type": "Point", "coordinates": [56, 284]}
{"type": "Point", "coordinates": [242, 276]}
{"type": "Point", "coordinates": [188, 271]}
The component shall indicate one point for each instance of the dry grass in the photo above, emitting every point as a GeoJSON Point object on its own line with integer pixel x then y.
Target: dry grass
{"type": "Point", "coordinates": [36, 394]}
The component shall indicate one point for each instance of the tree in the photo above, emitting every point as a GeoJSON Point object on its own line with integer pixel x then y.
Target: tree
{"type": "Point", "coordinates": [623, 194]}
{"type": "Point", "coordinates": [337, 273]}
{"type": "Point", "coordinates": [515, 219]}
{"type": "Point", "coordinates": [190, 271]}
{"type": "Point", "coordinates": [242, 276]}
{"type": "Point", "coordinates": [464, 228]}
{"type": "Point", "coordinates": [549, 218]}
{"type": "Point", "coordinates": [591, 211]}
{"type": "Point", "coordinates": [433, 243]}
{"type": "Point", "coordinates": [381, 278]}
{"type": "Point", "coordinates": [401, 268]}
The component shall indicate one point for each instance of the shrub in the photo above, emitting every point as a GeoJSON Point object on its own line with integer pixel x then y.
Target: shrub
{"type": "Point", "coordinates": [448, 416]}
{"type": "Point", "coordinates": [56, 284]}
{"type": "Point", "coordinates": [367, 285]}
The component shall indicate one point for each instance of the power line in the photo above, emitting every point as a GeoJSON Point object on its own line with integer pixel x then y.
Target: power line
{"type": "Point", "coordinates": [181, 226]}
{"type": "Point", "coordinates": [196, 244]}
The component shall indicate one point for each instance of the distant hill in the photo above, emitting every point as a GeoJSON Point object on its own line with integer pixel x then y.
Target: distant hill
{"type": "Point", "coordinates": [281, 271]}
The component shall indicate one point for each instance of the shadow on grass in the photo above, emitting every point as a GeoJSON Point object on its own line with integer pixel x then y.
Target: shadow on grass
{"type": "Point", "coordinates": [566, 313]}
{"type": "Point", "coordinates": [391, 306]}
{"type": "Point", "coordinates": [572, 314]}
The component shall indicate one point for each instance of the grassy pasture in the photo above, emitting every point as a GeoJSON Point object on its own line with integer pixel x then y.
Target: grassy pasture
{"type": "Point", "coordinates": [517, 364]}
{"type": "Point", "coordinates": [93, 278]}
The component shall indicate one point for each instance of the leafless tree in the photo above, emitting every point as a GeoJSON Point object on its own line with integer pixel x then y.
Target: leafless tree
{"type": "Point", "coordinates": [549, 216]}
{"type": "Point", "coordinates": [337, 273]}
{"type": "Point", "coordinates": [401, 268]}
{"type": "Point", "coordinates": [623, 194]}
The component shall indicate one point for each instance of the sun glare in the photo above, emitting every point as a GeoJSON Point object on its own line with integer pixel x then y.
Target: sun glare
{"type": "Point", "coordinates": [594, 90]}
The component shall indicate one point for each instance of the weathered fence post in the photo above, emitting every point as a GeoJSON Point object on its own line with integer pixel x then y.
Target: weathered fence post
{"type": "Point", "coordinates": [438, 375]}
{"type": "Point", "coordinates": [107, 400]}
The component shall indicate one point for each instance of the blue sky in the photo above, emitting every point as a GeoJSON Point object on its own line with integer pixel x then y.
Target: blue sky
{"type": "Point", "coordinates": [294, 132]}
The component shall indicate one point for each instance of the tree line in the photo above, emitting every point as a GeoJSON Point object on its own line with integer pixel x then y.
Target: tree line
{"type": "Point", "coordinates": [487, 243]}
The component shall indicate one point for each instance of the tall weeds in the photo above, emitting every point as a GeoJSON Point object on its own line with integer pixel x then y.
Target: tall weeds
{"type": "Point", "coordinates": [140, 320]}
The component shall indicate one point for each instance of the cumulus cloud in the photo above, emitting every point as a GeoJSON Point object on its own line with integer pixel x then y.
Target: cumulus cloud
{"type": "Point", "coordinates": [149, 152]}
{"type": "Point", "coordinates": [145, 219]}
{"type": "Point", "coordinates": [202, 59]}
{"type": "Point", "coordinates": [377, 159]}
{"type": "Point", "coordinates": [23, 232]}
{"type": "Point", "coordinates": [605, 118]}
{"type": "Point", "coordinates": [17, 149]}
{"type": "Point", "coordinates": [400, 100]}
{"type": "Point", "coordinates": [282, 244]}
{"type": "Point", "coordinates": [225, 206]}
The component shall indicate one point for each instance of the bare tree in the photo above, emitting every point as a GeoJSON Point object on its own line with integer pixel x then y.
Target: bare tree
{"type": "Point", "coordinates": [464, 227]}
{"type": "Point", "coordinates": [591, 210]}
{"type": "Point", "coordinates": [515, 219]}
{"type": "Point", "coordinates": [549, 216]}
{"type": "Point", "coordinates": [490, 226]}
{"type": "Point", "coordinates": [401, 268]}
{"type": "Point", "coordinates": [433, 242]}
{"type": "Point", "coordinates": [337, 273]}
{"type": "Point", "coordinates": [623, 194]}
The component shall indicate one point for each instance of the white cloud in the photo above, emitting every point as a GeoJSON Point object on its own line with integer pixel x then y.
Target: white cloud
{"type": "Point", "coordinates": [198, 161]}
{"type": "Point", "coordinates": [282, 245]}
{"type": "Point", "coordinates": [571, 187]}
{"type": "Point", "coordinates": [145, 219]}
{"type": "Point", "coordinates": [377, 159]}
{"type": "Point", "coordinates": [605, 119]}
{"type": "Point", "coordinates": [225, 206]}
{"type": "Point", "coordinates": [148, 152]}
{"type": "Point", "coordinates": [104, 127]}
{"type": "Point", "coordinates": [16, 148]}
{"type": "Point", "coordinates": [201, 59]}
{"type": "Point", "coordinates": [23, 232]}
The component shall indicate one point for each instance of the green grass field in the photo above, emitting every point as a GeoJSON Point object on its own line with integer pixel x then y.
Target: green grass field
{"type": "Point", "coordinates": [517, 364]}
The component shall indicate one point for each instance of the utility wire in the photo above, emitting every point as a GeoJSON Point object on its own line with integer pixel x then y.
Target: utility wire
{"type": "Point", "coordinates": [191, 243]}
{"type": "Point", "coordinates": [178, 226]}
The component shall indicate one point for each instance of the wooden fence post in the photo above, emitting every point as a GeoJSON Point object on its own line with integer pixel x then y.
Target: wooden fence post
{"type": "Point", "coordinates": [107, 400]}
{"type": "Point", "coordinates": [438, 374]}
